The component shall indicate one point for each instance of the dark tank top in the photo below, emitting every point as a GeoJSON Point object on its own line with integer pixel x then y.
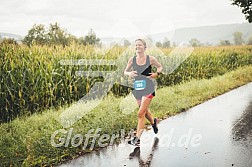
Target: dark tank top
{"type": "Point", "coordinates": [142, 72]}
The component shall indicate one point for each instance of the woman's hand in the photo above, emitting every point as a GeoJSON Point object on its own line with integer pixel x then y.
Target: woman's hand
{"type": "Point", "coordinates": [133, 73]}
{"type": "Point", "coordinates": [153, 75]}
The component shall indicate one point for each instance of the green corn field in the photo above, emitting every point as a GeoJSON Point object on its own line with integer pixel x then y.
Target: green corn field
{"type": "Point", "coordinates": [33, 79]}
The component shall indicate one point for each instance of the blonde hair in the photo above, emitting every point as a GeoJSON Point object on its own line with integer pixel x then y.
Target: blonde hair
{"type": "Point", "coordinates": [143, 41]}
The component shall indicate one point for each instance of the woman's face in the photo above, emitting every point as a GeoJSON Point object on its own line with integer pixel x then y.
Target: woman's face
{"type": "Point", "coordinates": [140, 48]}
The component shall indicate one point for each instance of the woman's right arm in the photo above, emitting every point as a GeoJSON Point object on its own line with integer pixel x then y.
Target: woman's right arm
{"type": "Point", "coordinates": [128, 67]}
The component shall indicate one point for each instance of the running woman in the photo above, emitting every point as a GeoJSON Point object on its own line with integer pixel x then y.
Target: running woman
{"type": "Point", "coordinates": [144, 89]}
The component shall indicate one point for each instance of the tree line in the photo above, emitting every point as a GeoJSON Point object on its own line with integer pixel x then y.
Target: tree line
{"type": "Point", "coordinates": [55, 35]}
{"type": "Point", "coordinates": [238, 39]}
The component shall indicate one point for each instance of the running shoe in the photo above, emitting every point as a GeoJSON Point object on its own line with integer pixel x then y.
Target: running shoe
{"type": "Point", "coordinates": [135, 141]}
{"type": "Point", "coordinates": [154, 126]}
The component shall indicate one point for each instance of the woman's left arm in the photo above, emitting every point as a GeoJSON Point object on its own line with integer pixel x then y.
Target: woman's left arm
{"type": "Point", "coordinates": [153, 61]}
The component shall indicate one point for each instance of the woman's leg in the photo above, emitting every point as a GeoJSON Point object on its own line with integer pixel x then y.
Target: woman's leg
{"type": "Point", "coordinates": [141, 114]}
{"type": "Point", "coordinates": [149, 116]}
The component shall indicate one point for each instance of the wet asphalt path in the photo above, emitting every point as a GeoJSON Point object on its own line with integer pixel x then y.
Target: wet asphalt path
{"type": "Point", "coordinates": [216, 133]}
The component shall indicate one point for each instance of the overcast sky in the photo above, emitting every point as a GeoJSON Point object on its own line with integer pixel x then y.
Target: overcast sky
{"type": "Point", "coordinates": [116, 18]}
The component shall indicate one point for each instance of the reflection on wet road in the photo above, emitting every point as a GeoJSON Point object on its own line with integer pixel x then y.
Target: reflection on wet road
{"type": "Point", "coordinates": [215, 133]}
{"type": "Point", "coordinates": [136, 153]}
{"type": "Point", "coordinates": [242, 129]}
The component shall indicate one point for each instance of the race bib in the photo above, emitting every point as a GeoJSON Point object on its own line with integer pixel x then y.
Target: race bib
{"type": "Point", "coordinates": [140, 84]}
